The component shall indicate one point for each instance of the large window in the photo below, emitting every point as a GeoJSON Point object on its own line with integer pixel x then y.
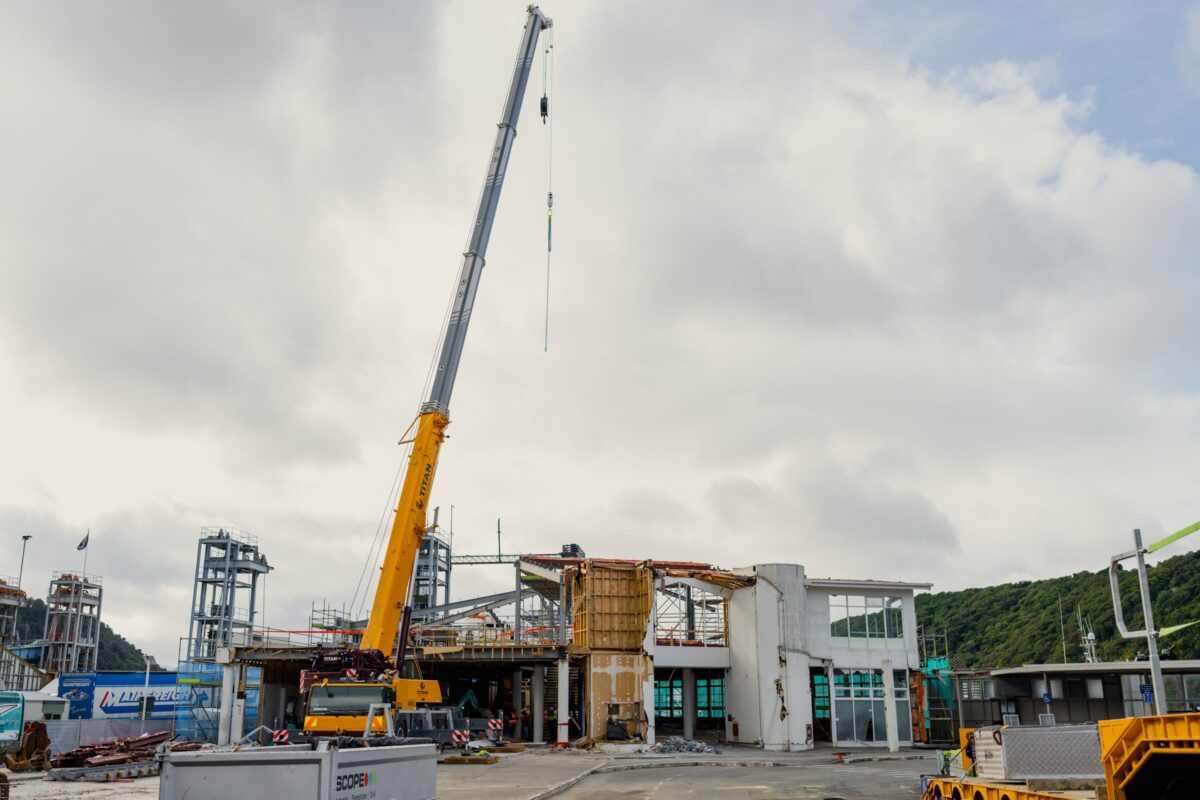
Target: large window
{"type": "Point", "coordinates": [860, 618]}
{"type": "Point", "coordinates": [820, 690]}
{"type": "Point", "coordinates": [668, 698]}
{"type": "Point", "coordinates": [710, 698]}
{"type": "Point", "coordinates": [859, 706]}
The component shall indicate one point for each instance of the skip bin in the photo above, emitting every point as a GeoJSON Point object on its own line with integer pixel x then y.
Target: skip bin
{"type": "Point", "coordinates": [298, 772]}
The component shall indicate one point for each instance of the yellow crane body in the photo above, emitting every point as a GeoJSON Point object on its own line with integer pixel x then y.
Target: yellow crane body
{"type": "Point", "coordinates": [408, 527]}
{"type": "Point", "coordinates": [346, 683]}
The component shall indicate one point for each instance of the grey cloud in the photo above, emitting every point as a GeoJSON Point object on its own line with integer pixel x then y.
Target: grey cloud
{"type": "Point", "coordinates": [802, 294]}
{"type": "Point", "coordinates": [170, 246]}
{"type": "Point", "coordinates": [824, 515]}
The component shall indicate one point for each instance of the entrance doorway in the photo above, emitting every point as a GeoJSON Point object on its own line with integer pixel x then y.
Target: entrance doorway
{"type": "Point", "coordinates": [821, 716]}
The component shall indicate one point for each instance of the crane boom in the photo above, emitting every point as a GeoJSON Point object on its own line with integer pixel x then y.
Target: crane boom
{"type": "Point", "coordinates": [410, 524]}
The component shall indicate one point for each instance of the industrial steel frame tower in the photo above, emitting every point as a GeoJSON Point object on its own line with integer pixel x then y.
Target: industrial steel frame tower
{"type": "Point", "coordinates": [431, 582]}
{"type": "Point", "coordinates": [228, 566]}
{"type": "Point", "coordinates": [72, 637]}
{"type": "Point", "coordinates": [11, 600]}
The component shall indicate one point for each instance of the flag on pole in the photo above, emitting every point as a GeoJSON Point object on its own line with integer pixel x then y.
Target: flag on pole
{"type": "Point", "coordinates": [83, 544]}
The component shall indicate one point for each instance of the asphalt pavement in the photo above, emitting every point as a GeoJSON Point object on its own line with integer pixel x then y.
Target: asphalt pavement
{"type": "Point", "coordinates": [737, 772]}
{"type": "Point", "coordinates": [883, 780]}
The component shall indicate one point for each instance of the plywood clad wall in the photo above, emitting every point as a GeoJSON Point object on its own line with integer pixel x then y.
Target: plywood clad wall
{"type": "Point", "coordinates": [615, 692]}
{"type": "Point", "coordinates": [612, 605]}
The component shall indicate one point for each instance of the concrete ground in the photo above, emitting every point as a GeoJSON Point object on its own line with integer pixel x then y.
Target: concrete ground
{"type": "Point", "coordinates": [735, 773]}
{"type": "Point", "coordinates": [868, 781]}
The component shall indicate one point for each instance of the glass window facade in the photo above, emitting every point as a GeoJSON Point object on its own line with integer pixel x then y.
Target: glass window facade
{"type": "Point", "coordinates": [859, 619]}
{"type": "Point", "coordinates": [859, 707]}
{"type": "Point", "coordinates": [710, 698]}
{"type": "Point", "coordinates": [820, 689]}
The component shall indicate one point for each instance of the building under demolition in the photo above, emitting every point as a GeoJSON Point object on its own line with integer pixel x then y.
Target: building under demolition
{"type": "Point", "coordinates": [619, 651]}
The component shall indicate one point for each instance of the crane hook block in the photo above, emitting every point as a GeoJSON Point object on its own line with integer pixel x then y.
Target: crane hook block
{"type": "Point", "coordinates": [545, 108]}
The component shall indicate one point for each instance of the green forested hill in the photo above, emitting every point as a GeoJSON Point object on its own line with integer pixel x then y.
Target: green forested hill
{"type": "Point", "coordinates": [115, 652]}
{"type": "Point", "coordinates": [1018, 623]}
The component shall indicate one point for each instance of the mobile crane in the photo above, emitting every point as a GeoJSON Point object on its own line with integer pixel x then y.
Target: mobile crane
{"type": "Point", "coordinates": [343, 685]}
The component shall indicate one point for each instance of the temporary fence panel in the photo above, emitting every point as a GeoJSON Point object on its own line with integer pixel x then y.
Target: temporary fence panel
{"type": "Point", "coordinates": [67, 734]}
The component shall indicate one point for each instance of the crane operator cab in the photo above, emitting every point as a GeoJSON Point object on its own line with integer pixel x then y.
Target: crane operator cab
{"type": "Point", "coordinates": [340, 705]}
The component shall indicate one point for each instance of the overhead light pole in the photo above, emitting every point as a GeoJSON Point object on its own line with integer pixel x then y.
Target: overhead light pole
{"type": "Point", "coordinates": [20, 600]}
{"type": "Point", "coordinates": [24, 541]}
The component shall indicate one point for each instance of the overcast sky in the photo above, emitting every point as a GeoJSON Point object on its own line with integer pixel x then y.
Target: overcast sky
{"type": "Point", "coordinates": [892, 291]}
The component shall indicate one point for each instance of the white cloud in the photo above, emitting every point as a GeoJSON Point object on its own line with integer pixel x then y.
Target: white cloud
{"type": "Point", "coordinates": [810, 303]}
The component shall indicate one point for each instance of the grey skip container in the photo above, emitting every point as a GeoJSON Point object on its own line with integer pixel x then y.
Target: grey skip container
{"type": "Point", "coordinates": [297, 772]}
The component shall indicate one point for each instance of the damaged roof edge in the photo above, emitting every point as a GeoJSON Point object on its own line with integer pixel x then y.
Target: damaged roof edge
{"type": "Point", "coordinates": [840, 583]}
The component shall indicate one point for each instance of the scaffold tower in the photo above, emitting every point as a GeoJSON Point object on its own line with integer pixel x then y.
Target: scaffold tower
{"type": "Point", "coordinates": [72, 636]}
{"type": "Point", "coordinates": [225, 593]}
{"type": "Point", "coordinates": [11, 600]}
{"type": "Point", "coordinates": [431, 583]}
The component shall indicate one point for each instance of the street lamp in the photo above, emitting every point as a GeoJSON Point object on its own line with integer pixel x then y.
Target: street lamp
{"type": "Point", "coordinates": [20, 601]}
{"type": "Point", "coordinates": [24, 541]}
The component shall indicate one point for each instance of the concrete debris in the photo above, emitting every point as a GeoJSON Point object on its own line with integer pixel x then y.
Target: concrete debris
{"type": "Point", "coordinates": [678, 744]}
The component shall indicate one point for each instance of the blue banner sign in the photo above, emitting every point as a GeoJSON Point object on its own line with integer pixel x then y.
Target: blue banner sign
{"type": "Point", "coordinates": [118, 695]}
{"type": "Point", "coordinates": [78, 689]}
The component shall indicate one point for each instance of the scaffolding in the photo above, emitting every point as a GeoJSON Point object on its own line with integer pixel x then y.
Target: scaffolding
{"type": "Point", "coordinates": [11, 600]}
{"type": "Point", "coordinates": [17, 673]}
{"type": "Point", "coordinates": [937, 708]}
{"type": "Point", "coordinates": [334, 627]}
{"type": "Point", "coordinates": [431, 579]}
{"type": "Point", "coordinates": [228, 566]}
{"type": "Point", "coordinates": [198, 704]}
{"type": "Point", "coordinates": [72, 632]}
{"type": "Point", "coordinates": [690, 616]}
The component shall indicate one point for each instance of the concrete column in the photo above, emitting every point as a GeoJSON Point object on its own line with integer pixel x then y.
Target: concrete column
{"type": "Point", "coordinates": [228, 688]}
{"type": "Point", "coordinates": [648, 703]}
{"type": "Point", "coordinates": [562, 609]}
{"type": "Point", "coordinates": [564, 702]}
{"type": "Point", "coordinates": [889, 707]}
{"type": "Point", "coordinates": [517, 606]}
{"type": "Point", "coordinates": [689, 703]}
{"type": "Point", "coordinates": [236, 723]}
{"type": "Point", "coordinates": [518, 702]}
{"type": "Point", "coordinates": [239, 716]}
{"type": "Point", "coordinates": [538, 688]}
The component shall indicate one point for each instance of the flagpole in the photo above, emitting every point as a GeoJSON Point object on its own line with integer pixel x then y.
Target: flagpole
{"type": "Point", "coordinates": [88, 540]}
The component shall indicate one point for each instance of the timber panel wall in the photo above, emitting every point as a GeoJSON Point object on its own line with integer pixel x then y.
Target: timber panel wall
{"type": "Point", "coordinates": [615, 682]}
{"type": "Point", "coordinates": [612, 605]}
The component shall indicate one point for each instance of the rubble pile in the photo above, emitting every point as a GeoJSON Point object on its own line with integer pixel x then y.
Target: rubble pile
{"type": "Point", "coordinates": [678, 744]}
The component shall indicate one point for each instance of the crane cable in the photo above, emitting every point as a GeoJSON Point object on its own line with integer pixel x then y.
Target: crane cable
{"type": "Point", "coordinates": [548, 120]}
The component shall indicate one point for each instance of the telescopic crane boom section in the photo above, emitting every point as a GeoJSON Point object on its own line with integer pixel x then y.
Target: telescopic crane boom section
{"type": "Point", "coordinates": [409, 525]}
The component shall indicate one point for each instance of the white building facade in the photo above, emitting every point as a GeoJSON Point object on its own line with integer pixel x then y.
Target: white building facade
{"type": "Point", "coordinates": [819, 660]}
